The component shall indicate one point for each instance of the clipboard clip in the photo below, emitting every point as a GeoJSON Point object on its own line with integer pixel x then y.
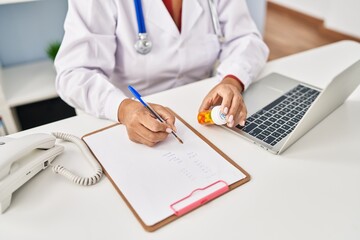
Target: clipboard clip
{"type": "Point", "coordinates": [199, 197]}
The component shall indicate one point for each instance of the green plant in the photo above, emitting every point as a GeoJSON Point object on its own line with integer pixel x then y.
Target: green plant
{"type": "Point", "coordinates": [53, 49]}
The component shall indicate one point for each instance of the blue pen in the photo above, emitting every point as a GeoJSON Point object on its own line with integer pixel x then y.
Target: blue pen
{"type": "Point", "coordinates": [138, 97]}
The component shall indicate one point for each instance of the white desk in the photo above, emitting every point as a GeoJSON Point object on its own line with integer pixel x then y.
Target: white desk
{"type": "Point", "coordinates": [312, 191]}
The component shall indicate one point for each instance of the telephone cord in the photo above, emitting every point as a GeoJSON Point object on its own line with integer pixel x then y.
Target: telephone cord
{"type": "Point", "coordinates": [85, 181]}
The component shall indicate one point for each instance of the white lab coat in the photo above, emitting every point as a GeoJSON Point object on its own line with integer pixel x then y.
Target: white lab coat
{"type": "Point", "coordinates": [97, 59]}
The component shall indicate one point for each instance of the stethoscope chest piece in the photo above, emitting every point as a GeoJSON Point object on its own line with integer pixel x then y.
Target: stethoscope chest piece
{"type": "Point", "coordinates": [143, 45]}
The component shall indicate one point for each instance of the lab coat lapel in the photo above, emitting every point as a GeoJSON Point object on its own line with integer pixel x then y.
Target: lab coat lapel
{"type": "Point", "coordinates": [158, 15]}
{"type": "Point", "coordinates": [191, 11]}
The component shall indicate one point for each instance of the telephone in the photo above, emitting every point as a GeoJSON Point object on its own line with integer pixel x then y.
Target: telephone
{"type": "Point", "coordinates": [22, 158]}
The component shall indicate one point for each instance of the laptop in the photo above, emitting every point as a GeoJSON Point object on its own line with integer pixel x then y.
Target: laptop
{"type": "Point", "coordinates": [281, 109]}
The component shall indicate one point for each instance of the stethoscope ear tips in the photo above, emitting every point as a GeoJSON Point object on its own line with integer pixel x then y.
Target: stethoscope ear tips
{"type": "Point", "coordinates": [143, 45]}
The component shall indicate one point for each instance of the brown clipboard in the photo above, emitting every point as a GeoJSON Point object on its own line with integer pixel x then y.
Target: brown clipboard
{"type": "Point", "coordinates": [174, 216]}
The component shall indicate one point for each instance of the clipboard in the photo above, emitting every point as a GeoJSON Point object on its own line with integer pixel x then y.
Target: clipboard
{"type": "Point", "coordinates": [180, 181]}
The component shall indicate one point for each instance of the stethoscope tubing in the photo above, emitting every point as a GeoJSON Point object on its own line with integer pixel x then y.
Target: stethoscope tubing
{"type": "Point", "coordinates": [143, 45]}
{"type": "Point", "coordinates": [216, 21]}
{"type": "Point", "coordinates": [140, 16]}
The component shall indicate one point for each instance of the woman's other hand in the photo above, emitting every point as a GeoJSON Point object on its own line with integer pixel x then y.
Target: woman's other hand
{"type": "Point", "coordinates": [228, 94]}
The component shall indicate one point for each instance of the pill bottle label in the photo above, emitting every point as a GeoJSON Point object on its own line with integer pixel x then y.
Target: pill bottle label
{"type": "Point", "coordinates": [212, 116]}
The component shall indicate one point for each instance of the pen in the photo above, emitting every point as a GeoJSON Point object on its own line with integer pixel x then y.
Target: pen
{"type": "Point", "coordinates": [138, 97]}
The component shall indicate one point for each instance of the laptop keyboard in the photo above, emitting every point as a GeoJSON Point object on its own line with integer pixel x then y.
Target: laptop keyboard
{"type": "Point", "coordinates": [275, 121]}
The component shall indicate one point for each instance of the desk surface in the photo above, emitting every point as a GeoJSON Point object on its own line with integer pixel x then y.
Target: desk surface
{"type": "Point", "coordinates": [309, 192]}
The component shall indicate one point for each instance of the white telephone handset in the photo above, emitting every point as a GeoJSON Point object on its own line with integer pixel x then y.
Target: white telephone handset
{"type": "Point", "coordinates": [14, 150]}
{"type": "Point", "coordinates": [22, 158]}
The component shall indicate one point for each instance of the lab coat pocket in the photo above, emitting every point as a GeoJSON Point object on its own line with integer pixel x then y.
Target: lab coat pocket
{"type": "Point", "coordinates": [200, 55]}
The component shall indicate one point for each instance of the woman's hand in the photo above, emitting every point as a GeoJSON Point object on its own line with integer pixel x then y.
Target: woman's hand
{"type": "Point", "coordinates": [228, 94]}
{"type": "Point", "coordinates": [142, 126]}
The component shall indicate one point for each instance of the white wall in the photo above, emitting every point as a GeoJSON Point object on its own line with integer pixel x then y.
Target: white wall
{"type": "Point", "coordinates": [344, 16]}
{"type": "Point", "coordinates": [339, 15]}
{"type": "Point", "coordinates": [27, 29]}
{"type": "Point", "coordinates": [257, 10]}
{"type": "Point", "coordinates": [313, 8]}
{"type": "Point", "coordinates": [2, 97]}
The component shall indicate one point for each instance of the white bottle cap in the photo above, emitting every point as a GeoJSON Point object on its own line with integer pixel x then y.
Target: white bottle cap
{"type": "Point", "coordinates": [217, 116]}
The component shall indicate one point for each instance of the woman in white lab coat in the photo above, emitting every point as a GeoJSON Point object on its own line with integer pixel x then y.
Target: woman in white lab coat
{"type": "Point", "coordinates": [97, 59]}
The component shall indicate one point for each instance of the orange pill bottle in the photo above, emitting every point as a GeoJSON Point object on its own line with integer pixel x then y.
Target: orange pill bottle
{"type": "Point", "coordinates": [212, 116]}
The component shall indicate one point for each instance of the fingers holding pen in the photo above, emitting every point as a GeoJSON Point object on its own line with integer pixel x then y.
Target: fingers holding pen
{"type": "Point", "coordinates": [142, 134]}
{"type": "Point", "coordinates": [147, 130]}
{"type": "Point", "coordinates": [166, 115]}
{"type": "Point", "coordinates": [142, 127]}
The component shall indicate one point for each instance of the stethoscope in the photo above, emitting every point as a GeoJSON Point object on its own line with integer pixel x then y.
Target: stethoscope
{"type": "Point", "coordinates": [143, 45]}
